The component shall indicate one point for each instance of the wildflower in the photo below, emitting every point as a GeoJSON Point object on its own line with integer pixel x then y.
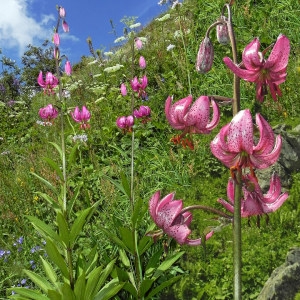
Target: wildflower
{"type": "Point", "coordinates": [81, 137]}
{"type": "Point", "coordinates": [205, 56]}
{"type": "Point", "coordinates": [191, 119]}
{"type": "Point", "coordinates": [81, 117]}
{"type": "Point", "coordinates": [11, 103]}
{"type": "Point", "coordinates": [20, 240]}
{"type": "Point", "coordinates": [234, 145]}
{"type": "Point", "coordinates": [125, 123]}
{"type": "Point", "coordinates": [48, 113]}
{"type": "Point", "coordinates": [143, 111]}
{"type": "Point", "coordinates": [254, 201]}
{"type": "Point", "coordinates": [65, 26]}
{"type": "Point", "coordinates": [138, 43]}
{"type": "Point", "coordinates": [142, 62]}
{"type": "Point", "coordinates": [123, 89]}
{"type": "Point", "coordinates": [170, 47]}
{"type": "Point", "coordinates": [176, 4]}
{"type": "Point", "coordinates": [264, 72]}
{"type": "Point", "coordinates": [49, 83]}
{"type": "Point", "coordinates": [136, 25]}
{"type": "Point", "coordinates": [56, 39]}
{"type": "Point", "coordinates": [167, 214]}
{"type": "Point", "coordinates": [163, 18]}
{"type": "Point", "coordinates": [140, 86]}
{"type": "Point", "coordinates": [112, 69]}
{"type": "Point", "coordinates": [68, 68]}
{"type": "Point", "coordinates": [120, 39]}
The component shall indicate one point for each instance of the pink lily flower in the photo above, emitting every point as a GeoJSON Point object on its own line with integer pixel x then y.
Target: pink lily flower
{"type": "Point", "coordinates": [48, 112]}
{"type": "Point", "coordinates": [254, 201]}
{"type": "Point", "coordinates": [125, 123]}
{"type": "Point", "coordinates": [81, 117]}
{"type": "Point", "coordinates": [49, 83]}
{"type": "Point", "coordinates": [234, 145]}
{"type": "Point", "coordinates": [264, 72]}
{"type": "Point", "coordinates": [143, 111]}
{"type": "Point", "coordinates": [123, 89]}
{"type": "Point", "coordinates": [193, 119]}
{"type": "Point", "coordinates": [68, 68]}
{"type": "Point", "coordinates": [140, 86]}
{"type": "Point", "coordinates": [167, 214]}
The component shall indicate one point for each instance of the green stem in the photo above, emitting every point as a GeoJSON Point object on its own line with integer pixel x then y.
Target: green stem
{"type": "Point", "coordinates": [237, 223]}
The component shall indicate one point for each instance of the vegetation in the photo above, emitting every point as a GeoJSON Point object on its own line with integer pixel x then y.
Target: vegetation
{"type": "Point", "coordinates": [100, 168]}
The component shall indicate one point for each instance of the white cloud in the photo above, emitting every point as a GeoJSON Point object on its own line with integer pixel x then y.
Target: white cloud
{"type": "Point", "coordinates": [18, 28]}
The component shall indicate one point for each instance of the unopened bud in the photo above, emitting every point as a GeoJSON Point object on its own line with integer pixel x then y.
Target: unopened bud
{"type": "Point", "coordinates": [222, 33]}
{"type": "Point", "coordinates": [205, 56]}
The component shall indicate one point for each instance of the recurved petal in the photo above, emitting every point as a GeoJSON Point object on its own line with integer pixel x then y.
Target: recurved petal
{"type": "Point", "coordinates": [251, 57]}
{"type": "Point", "coordinates": [216, 116]}
{"type": "Point", "coordinates": [230, 190]}
{"type": "Point", "coordinates": [40, 80]}
{"type": "Point", "coordinates": [153, 204]}
{"type": "Point", "coordinates": [279, 56]}
{"type": "Point", "coordinates": [265, 160]}
{"type": "Point", "coordinates": [266, 139]}
{"type": "Point", "coordinates": [227, 205]}
{"type": "Point", "coordinates": [271, 207]}
{"type": "Point", "coordinates": [240, 132]}
{"type": "Point", "coordinates": [249, 75]}
{"type": "Point", "coordinates": [274, 190]}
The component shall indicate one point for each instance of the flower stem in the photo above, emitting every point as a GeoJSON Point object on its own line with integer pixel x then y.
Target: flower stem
{"type": "Point", "coordinates": [237, 223]}
{"type": "Point", "coordinates": [206, 208]}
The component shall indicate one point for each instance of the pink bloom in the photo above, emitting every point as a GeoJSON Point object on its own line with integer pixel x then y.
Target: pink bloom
{"type": "Point", "coordinates": [138, 43]}
{"type": "Point", "coordinates": [125, 123]}
{"type": "Point", "coordinates": [62, 12]}
{"type": "Point", "coordinates": [167, 214]}
{"type": "Point", "coordinates": [192, 119]}
{"type": "Point", "coordinates": [68, 68]}
{"type": "Point", "coordinates": [48, 112]}
{"type": "Point", "coordinates": [254, 201]}
{"type": "Point", "coordinates": [142, 62]}
{"type": "Point", "coordinates": [56, 39]}
{"type": "Point", "coordinates": [140, 86]}
{"type": "Point", "coordinates": [264, 72]}
{"type": "Point", "coordinates": [123, 89]}
{"type": "Point", "coordinates": [143, 111]}
{"type": "Point", "coordinates": [81, 117]}
{"type": "Point", "coordinates": [49, 83]}
{"type": "Point", "coordinates": [65, 26]}
{"type": "Point", "coordinates": [234, 145]}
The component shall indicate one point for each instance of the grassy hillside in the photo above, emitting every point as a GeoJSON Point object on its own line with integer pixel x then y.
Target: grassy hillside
{"type": "Point", "coordinates": [99, 164]}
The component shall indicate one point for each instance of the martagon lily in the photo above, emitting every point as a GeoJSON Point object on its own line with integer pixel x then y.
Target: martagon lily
{"type": "Point", "coordinates": [49, 83]}
{"type": "Point", "coordinates": [234, 145]}
{"type": "Point", "coordinates": [264, 72]}
{"type": "Point", "coordinates": [192, 118]}
{"type": "Point", "coordinates": [167, 214]}
{"type": "Point", "coordinates": [254, 201]}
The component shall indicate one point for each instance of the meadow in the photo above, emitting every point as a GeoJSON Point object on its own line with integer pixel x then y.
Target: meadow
{"type": "Point", "coordinates": [74, 199]}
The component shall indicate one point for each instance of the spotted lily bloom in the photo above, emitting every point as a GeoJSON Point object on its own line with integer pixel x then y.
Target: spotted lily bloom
{"type": "Point", "coordinates": [143, 111]}
{"type": "Point", "coordinates": [139, 86]}
{"type": "Point", "coordinates": [254, 201]}
{"type": "Point", "coordinates": [48, 113]}
{"type": "Point", "coordinates": [49, 83]}
{"type": "Point", "coordinates": [167, 214]}
{"type": "Point", "coordinates": [125, 123]}
{"type": "Point", "coordinates": [81, 116]}
{"type": "Point", "coordinates": [265, 73]}
{"type": "Point", "coordinates": [193, 118]}
{"type": "Point", "coordinates": [234, 145]}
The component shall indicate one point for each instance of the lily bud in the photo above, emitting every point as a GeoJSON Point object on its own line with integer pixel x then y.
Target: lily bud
{"type": "Point", "coordinates": [68, 68]}
{"type": "Point", "coordinates": [62, 12]}
{"type": "Point", "coordinates": [142, 62]}
{"type": "Point", "coordinates": [65, 26]}
{"type": "Point", "coordinates": [222, 32]}
{"type": "Point", "coordinates": [205, 56]}
{"type": "Point", "coordinates": [56, 39]}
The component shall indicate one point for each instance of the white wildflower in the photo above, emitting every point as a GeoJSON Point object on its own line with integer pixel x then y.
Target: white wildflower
{"type": "Point", "coordinates": [170, 47]}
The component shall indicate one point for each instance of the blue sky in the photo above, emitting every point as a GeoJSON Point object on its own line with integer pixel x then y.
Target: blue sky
{"type": "Point", "coordinates": [24, 22]}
